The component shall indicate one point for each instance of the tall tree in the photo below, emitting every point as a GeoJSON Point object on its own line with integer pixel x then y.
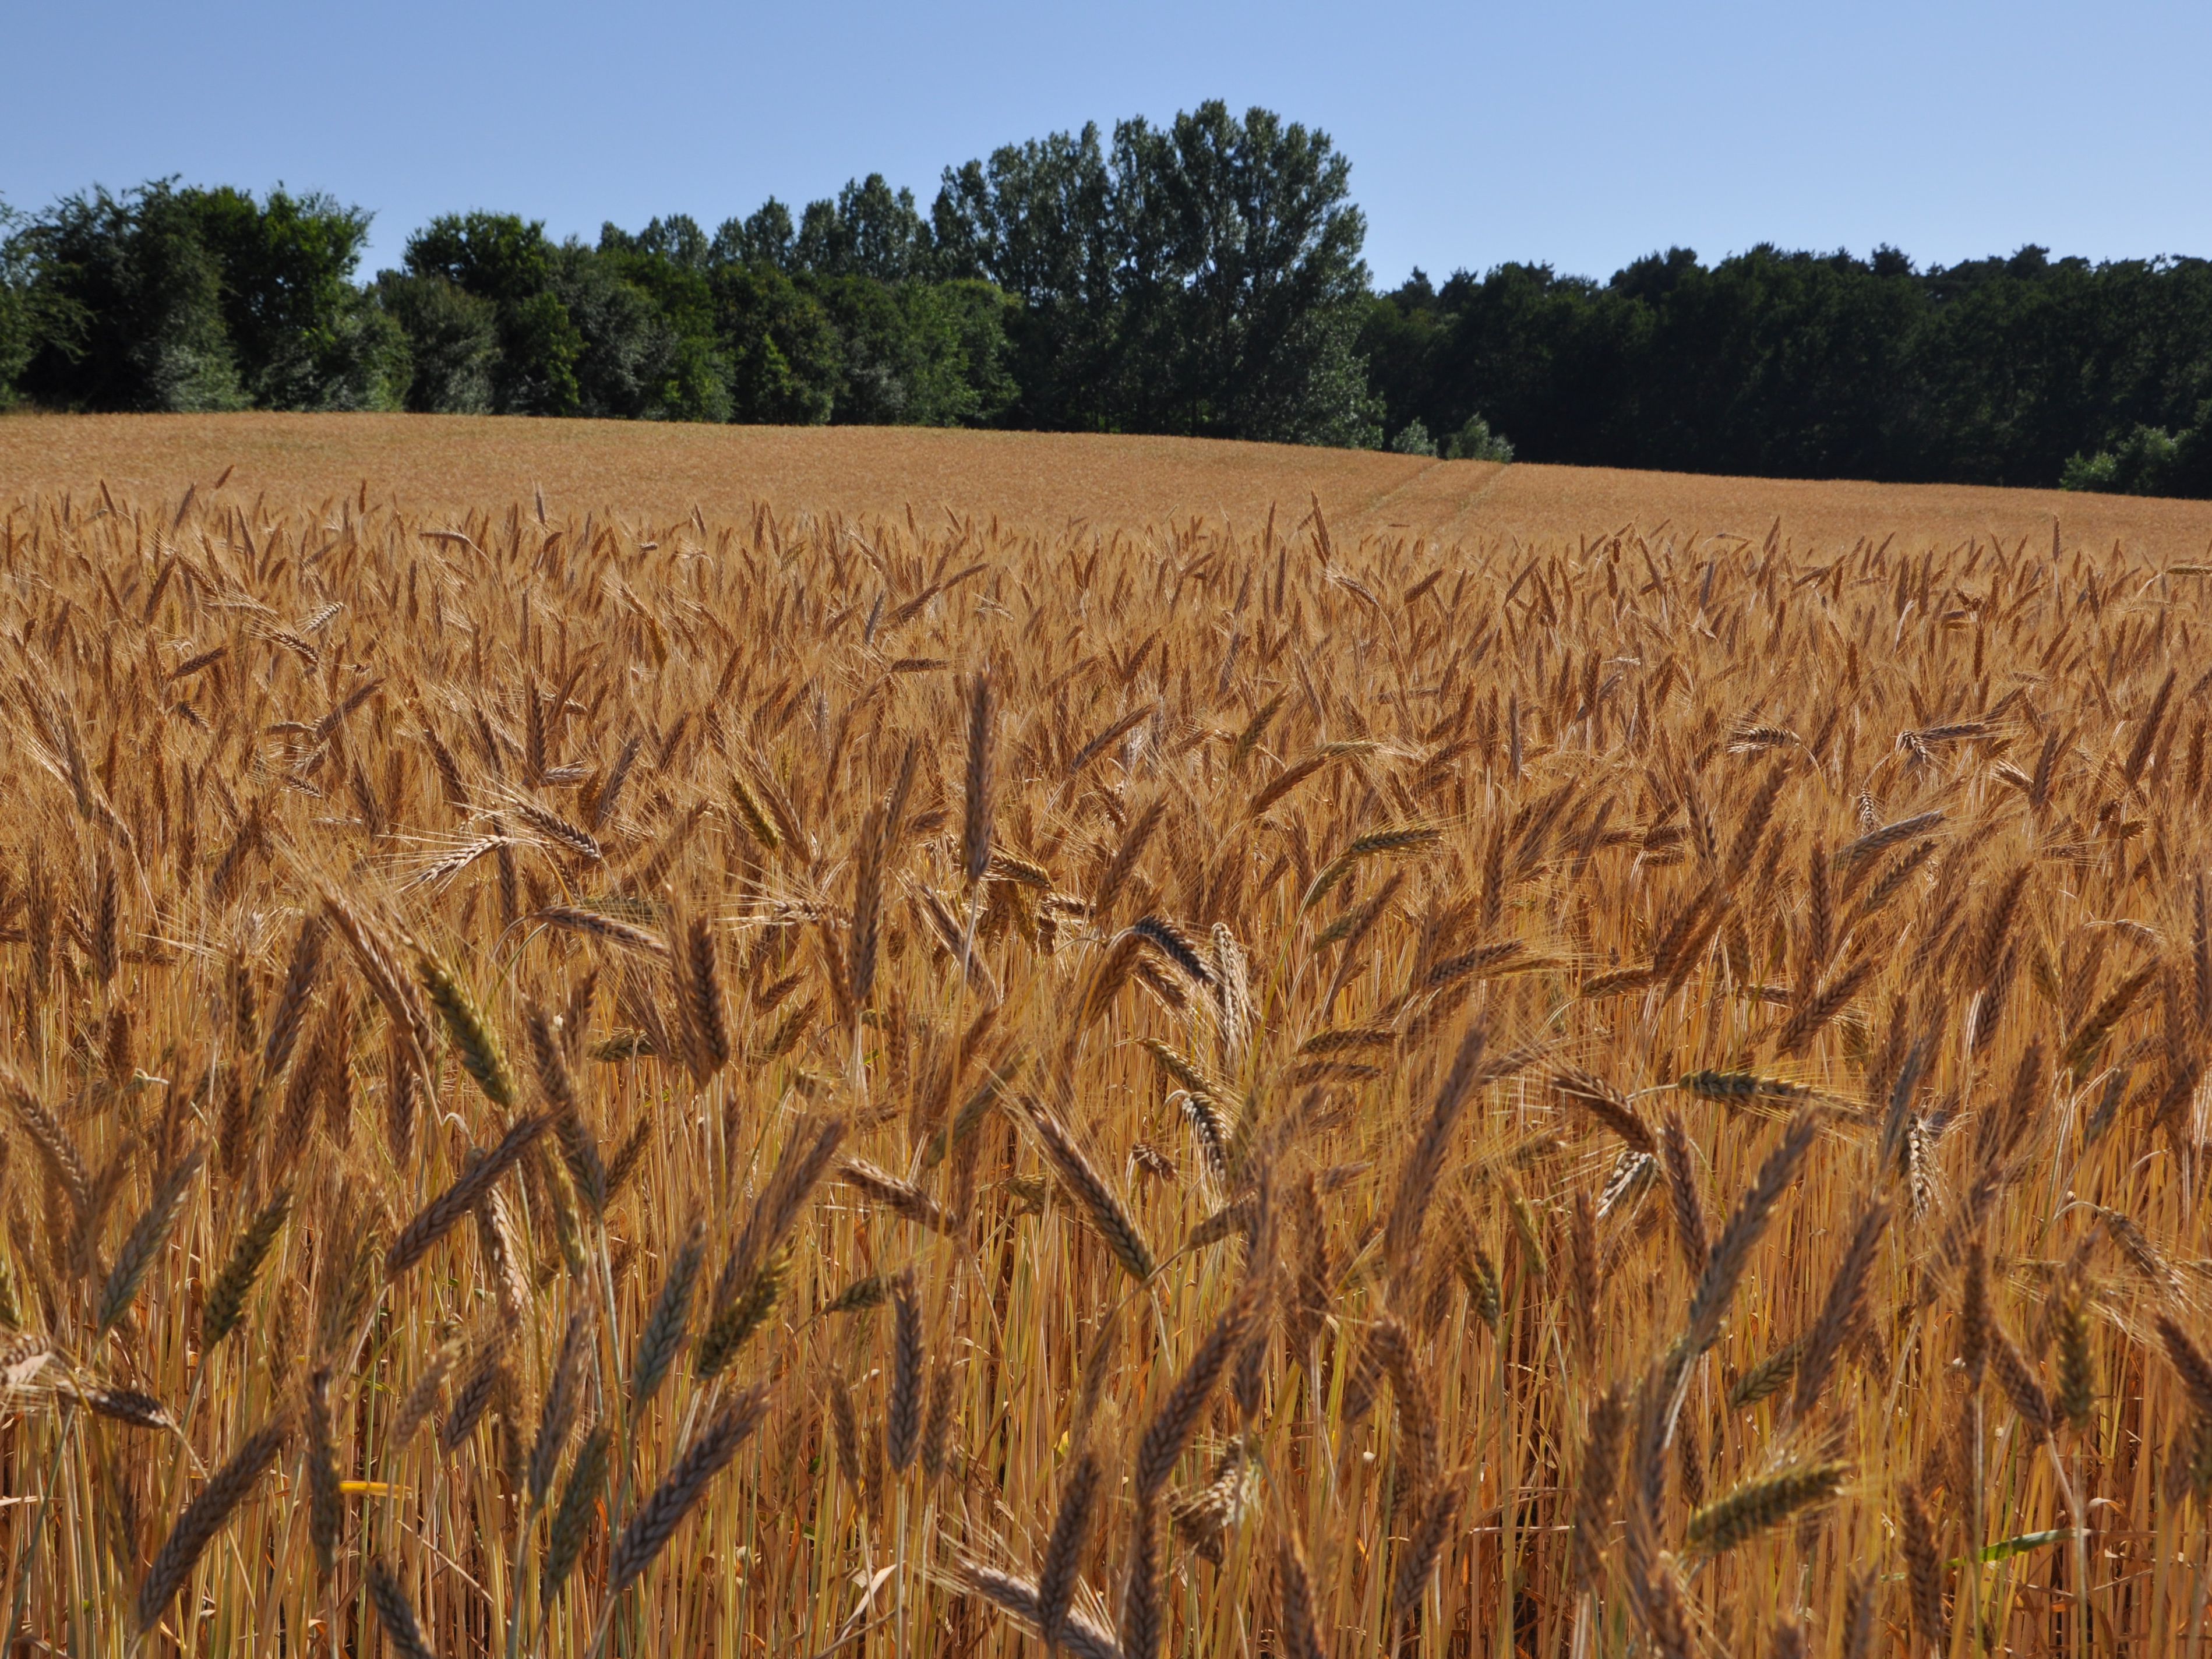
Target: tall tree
{"type": "Point", "coordinates": [1038, 221]}
{"type": "Point", "coordinates": [870, 231]}
{"type": "Point", "coordinates": [784, 353]}
{"type": "Point", "coordinates": [303, 335]}
{"type": "Point", "coordinates": [452, 342]}
{"type": "Point", "coordinates": [1245, 284]}
{"type": "Point", "coordinates": [19, 329]}
{"type": "Point", "coordinates": [764, 237]}
{"type": "Point", "coordinates": [1205, 277]}
{"type": "Point", "coordinates": [133, 299]}
{"type": "Point", "coordinates": [500, 257]}
{"type": "Point", "coordinates": [2021, 370]}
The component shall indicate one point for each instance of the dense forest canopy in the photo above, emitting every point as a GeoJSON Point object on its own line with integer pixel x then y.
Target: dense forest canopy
{"type": "Point", "coordinates": [2026, 370]}
{"type": "Point", "coordinates": [1203, 277]}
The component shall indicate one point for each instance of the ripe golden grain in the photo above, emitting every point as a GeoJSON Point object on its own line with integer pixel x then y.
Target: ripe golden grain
{"type": "Point", "coordinates": [1307, 838]}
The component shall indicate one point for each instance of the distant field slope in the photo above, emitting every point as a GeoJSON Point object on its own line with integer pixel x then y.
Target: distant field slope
{"type": "Point", "coordinates": [1040, 480]}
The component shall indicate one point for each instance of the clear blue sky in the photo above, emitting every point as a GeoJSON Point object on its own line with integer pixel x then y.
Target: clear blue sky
{"type": "Point", "coordinates": [1582, 135]}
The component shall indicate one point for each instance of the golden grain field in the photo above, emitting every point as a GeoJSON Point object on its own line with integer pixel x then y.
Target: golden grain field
{"type": "Point", "coordinates": [1163, 1081]}
{"type": "Point", "coordinates": [1048, 483]}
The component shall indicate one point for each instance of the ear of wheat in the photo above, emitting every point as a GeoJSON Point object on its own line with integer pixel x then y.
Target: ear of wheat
{"type": "Point", "coordinates": [657, 1518]}
{"type": "Point", "coordinates": [201, 1519]}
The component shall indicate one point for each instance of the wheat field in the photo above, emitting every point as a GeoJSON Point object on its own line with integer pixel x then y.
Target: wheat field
{"type": "Point", "coordinates": [778, 1083]}
{"type": "Point", "coordinates": [1009, 482]}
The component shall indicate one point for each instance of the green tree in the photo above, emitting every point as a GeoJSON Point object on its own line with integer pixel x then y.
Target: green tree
{"type": "Point", "coordinates": [1412, 438]}
{"type": "Point", "coordinates": [500, 257]}
{"type": "Point", "coordinates": [186, 299]}
{"type": "Point", "coordinates": [302, 334]}
{"type": "Point", "coordinates": [131, 298]}
{"type": "Point", "coordinates": [1400, 337]}
{"type": "Point", "coordinates": [1994, 371]}
{"type": "Point", "coordinates": [645, 306]}
{"type": "Point", "coordinates": [2149, 461]}
{"type": "Point", "coordinates": [453, 341]}
{"type": "Point", "coordinates": [19, 327]}
{"type": "Point", "coordinates": [1204, 277]}
{"type": "Point", "coordinates": [677, 238]}
{"type": "Point", "coordinates": [1036, 220]}
{"type": "Point", "coordinates": [870, 231]}
{"type": "Point", "coordinates": [1475, 441]}
{"type": "Point", "coordinates": [916, 354]}
{"type": "Point", "coordinates": [978, 317]}
{"type": "Point", "coordinates": [765, 237]}
{"type": "Point", "coordinates": [783, 353]}
{"type": "Point", "coordinates": [1246, 288]}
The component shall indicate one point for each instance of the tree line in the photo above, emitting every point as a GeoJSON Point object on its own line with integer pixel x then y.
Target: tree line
{"type": "Point", "coordinates": [2026, 370]}
{"type": "Point", "coordinates": [1201, 278]}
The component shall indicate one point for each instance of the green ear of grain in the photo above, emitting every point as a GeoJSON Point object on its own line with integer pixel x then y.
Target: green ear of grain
{"type": "Point", "coordinates": [1761, 1504]}
{"type": "Point", "coordinates": [225, 1305]}
{"type": "Point", "coordinates": [474, 1044]}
